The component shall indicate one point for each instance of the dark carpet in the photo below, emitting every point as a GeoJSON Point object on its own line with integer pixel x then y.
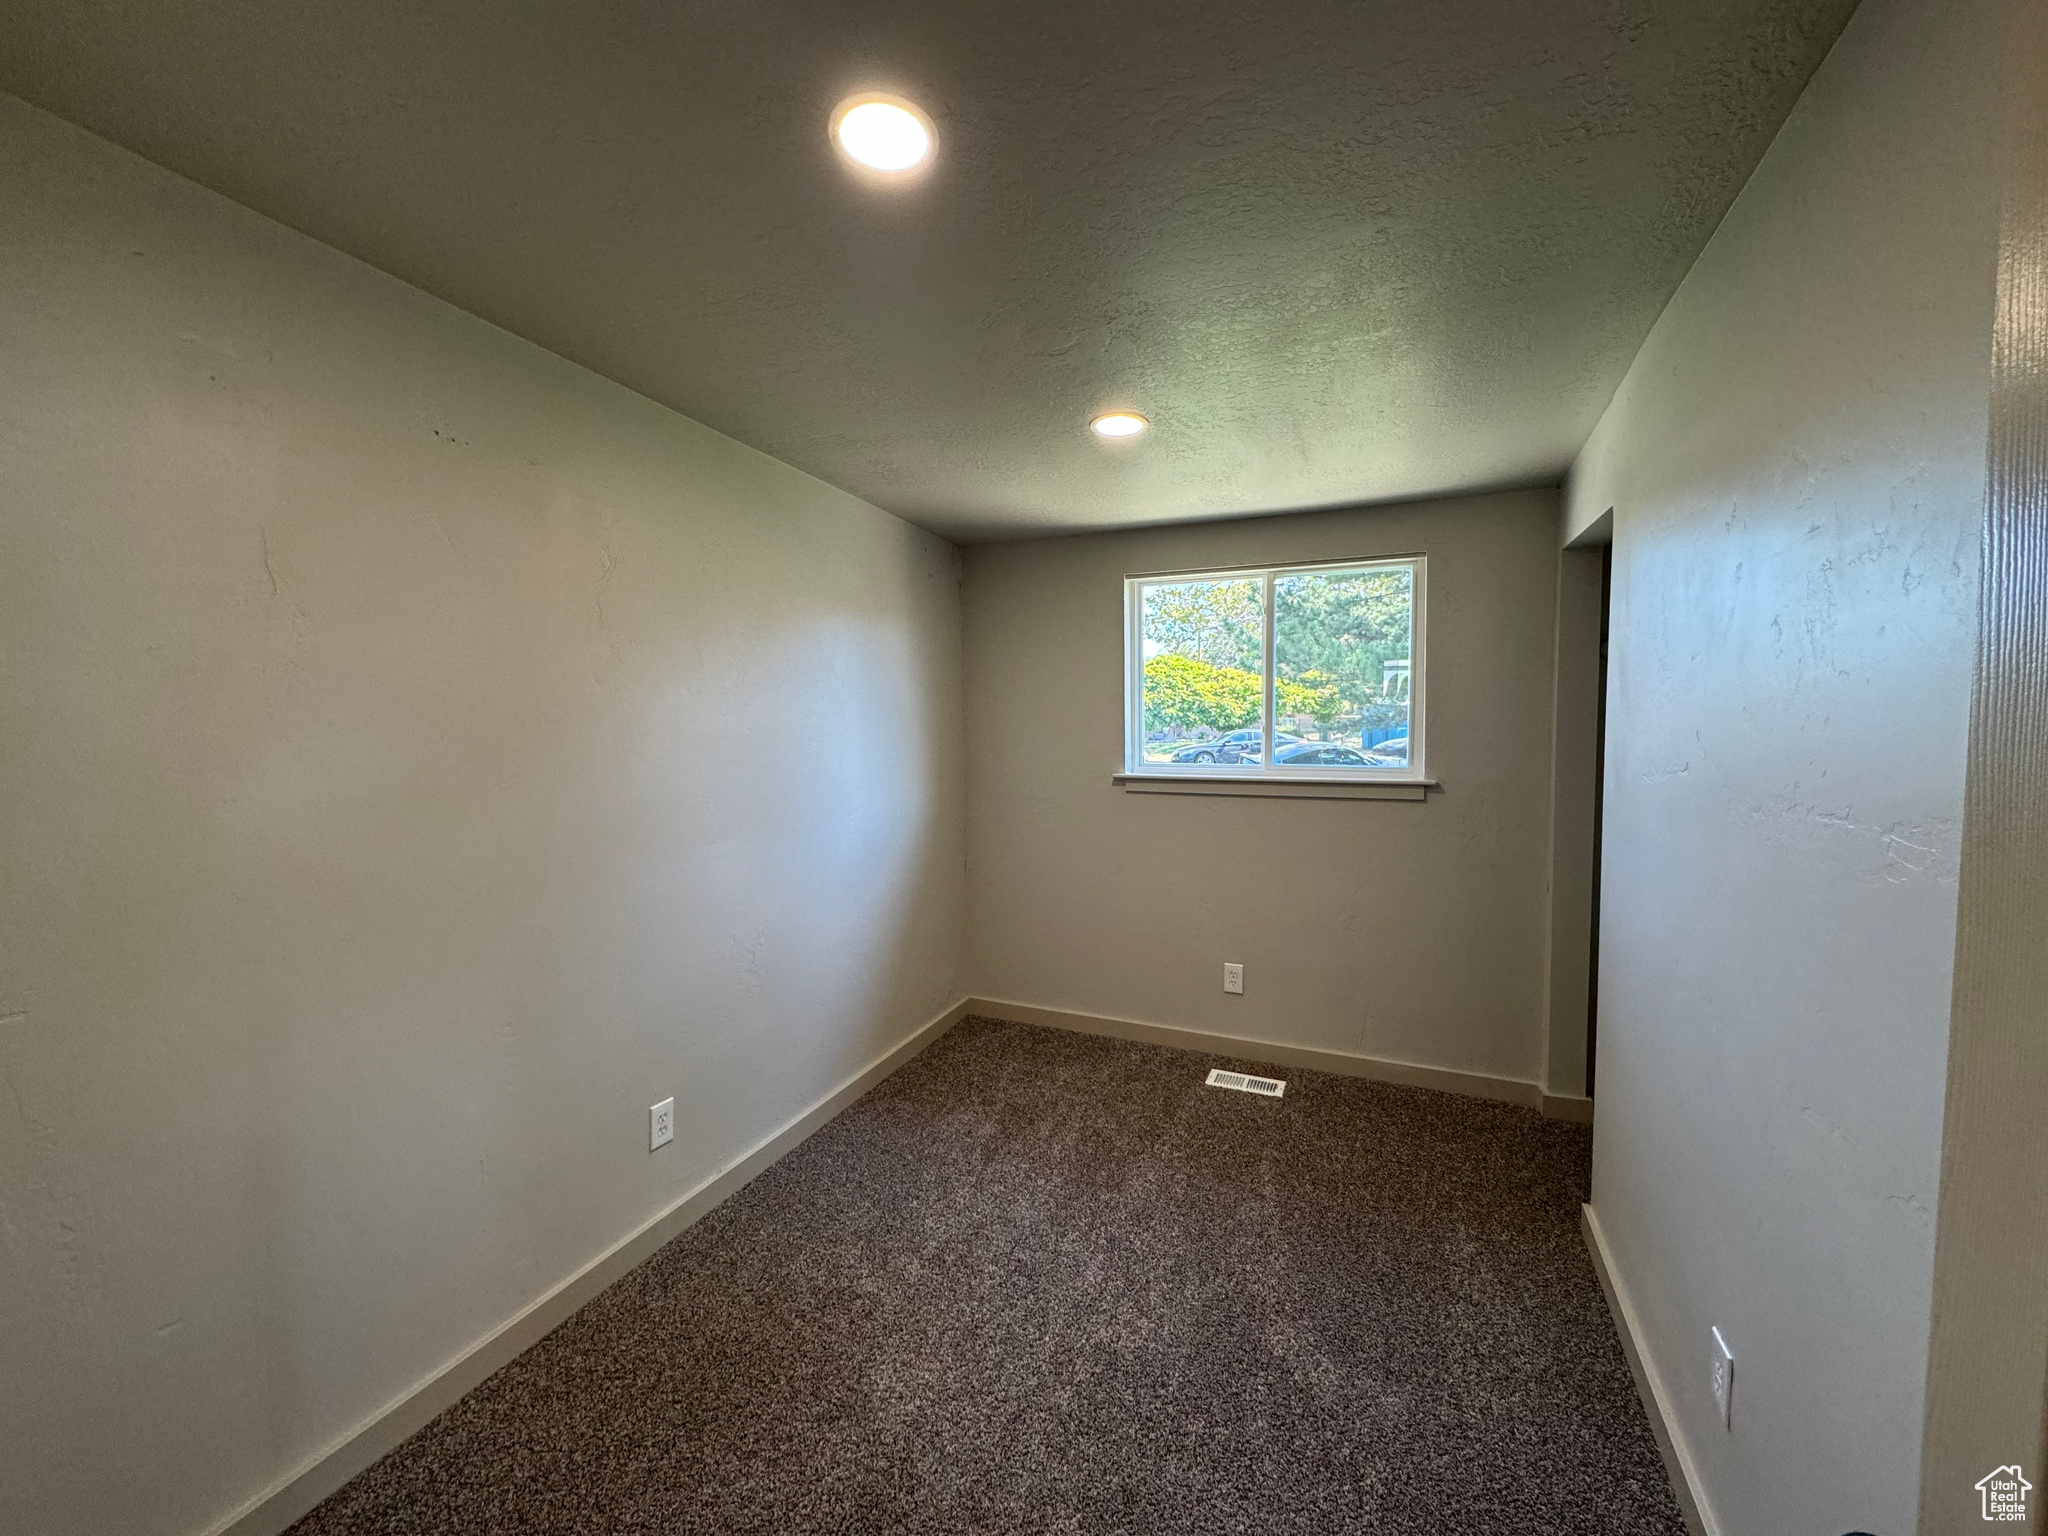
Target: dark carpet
{"type": "Point", "coordinates": [1042, 1283]}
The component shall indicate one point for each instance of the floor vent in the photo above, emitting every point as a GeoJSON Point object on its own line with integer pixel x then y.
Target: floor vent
{"type": "Point", "coordinates": [1272, 1088]}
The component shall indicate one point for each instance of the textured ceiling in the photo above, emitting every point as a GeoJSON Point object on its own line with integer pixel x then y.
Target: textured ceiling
{"type": "Point", "coordinates": [1338, 250]}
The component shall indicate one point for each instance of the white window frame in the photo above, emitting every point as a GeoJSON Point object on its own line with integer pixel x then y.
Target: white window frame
{"type": "Point", "coordinates": [1135, 766]}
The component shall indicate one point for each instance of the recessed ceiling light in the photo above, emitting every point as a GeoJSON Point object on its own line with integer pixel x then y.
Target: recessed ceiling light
{"type": "Point", "coordinates": [883, 133]}
{"type": "Point", "coordinates": [1119, 424]}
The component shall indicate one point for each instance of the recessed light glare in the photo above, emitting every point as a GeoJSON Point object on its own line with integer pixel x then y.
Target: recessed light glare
{"type": "Point", "coordinates": [882, 134]}
{"type": "Point", "coordinates": [1119, 424]}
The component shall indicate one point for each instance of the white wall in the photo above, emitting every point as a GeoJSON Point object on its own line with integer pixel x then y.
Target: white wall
{"type": "Point", "coordinates": [1410, 931]}
{"type": "Point", "coordinates": [420, 756]}
{"type": "Point", "coordinates": [1796, 466]}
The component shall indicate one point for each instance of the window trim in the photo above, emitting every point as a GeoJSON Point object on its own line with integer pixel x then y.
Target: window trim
{"type": "Point", "coordinates": [1221, 775]}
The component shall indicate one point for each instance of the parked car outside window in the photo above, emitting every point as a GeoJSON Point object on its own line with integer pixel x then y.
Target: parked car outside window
{"type": "Point", "coordinates": [1317, 755]}
{"type": "Point", "coordinates": [1237, 747]}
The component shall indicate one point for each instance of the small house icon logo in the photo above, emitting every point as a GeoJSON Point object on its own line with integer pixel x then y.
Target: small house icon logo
{"type": "Point", "coordinates": [2005, 1494]}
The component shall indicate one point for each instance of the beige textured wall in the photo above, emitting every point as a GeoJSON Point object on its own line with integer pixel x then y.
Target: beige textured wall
{"type": "Point", "coordinates": [1410, 931]}
{"type": "Point", "coordinates": [1796, 466]}
{"type": "Point", "coordinates": [420, 756]}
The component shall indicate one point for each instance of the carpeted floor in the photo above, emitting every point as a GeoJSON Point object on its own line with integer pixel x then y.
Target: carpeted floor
{"type": "Point", "coordinates": [1043, 1283]}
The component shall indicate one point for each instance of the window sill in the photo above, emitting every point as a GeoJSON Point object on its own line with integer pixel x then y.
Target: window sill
{"type": "Point", "coordinates": [1269, 788]}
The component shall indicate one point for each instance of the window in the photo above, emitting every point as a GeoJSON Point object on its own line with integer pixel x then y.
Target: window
{"type": "Point", "coordinates": [1328, 656]}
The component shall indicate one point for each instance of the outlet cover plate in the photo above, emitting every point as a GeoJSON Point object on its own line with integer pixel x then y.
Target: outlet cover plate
{"type": "Point", "coordinates": [661, 1124]}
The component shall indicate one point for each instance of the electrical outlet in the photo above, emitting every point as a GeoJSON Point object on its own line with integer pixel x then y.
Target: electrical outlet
{"type": "Point", "coordinates": [661, 1124]}
{"type": "Point", "coordinates": [1723, 1361]}
{"type": "Point", "coordinates": [1233, 977]}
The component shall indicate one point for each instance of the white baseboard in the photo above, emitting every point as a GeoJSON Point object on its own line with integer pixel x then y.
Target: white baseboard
{"type": "Point", "coordinates": [1476, 1085]}
{"type": "Point", "coordinates": [1575, 1107]}
{"type": "Point", "coordinates": [1678, 1463]}
{"type": "Point", "coordinates": [321, 1474]}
